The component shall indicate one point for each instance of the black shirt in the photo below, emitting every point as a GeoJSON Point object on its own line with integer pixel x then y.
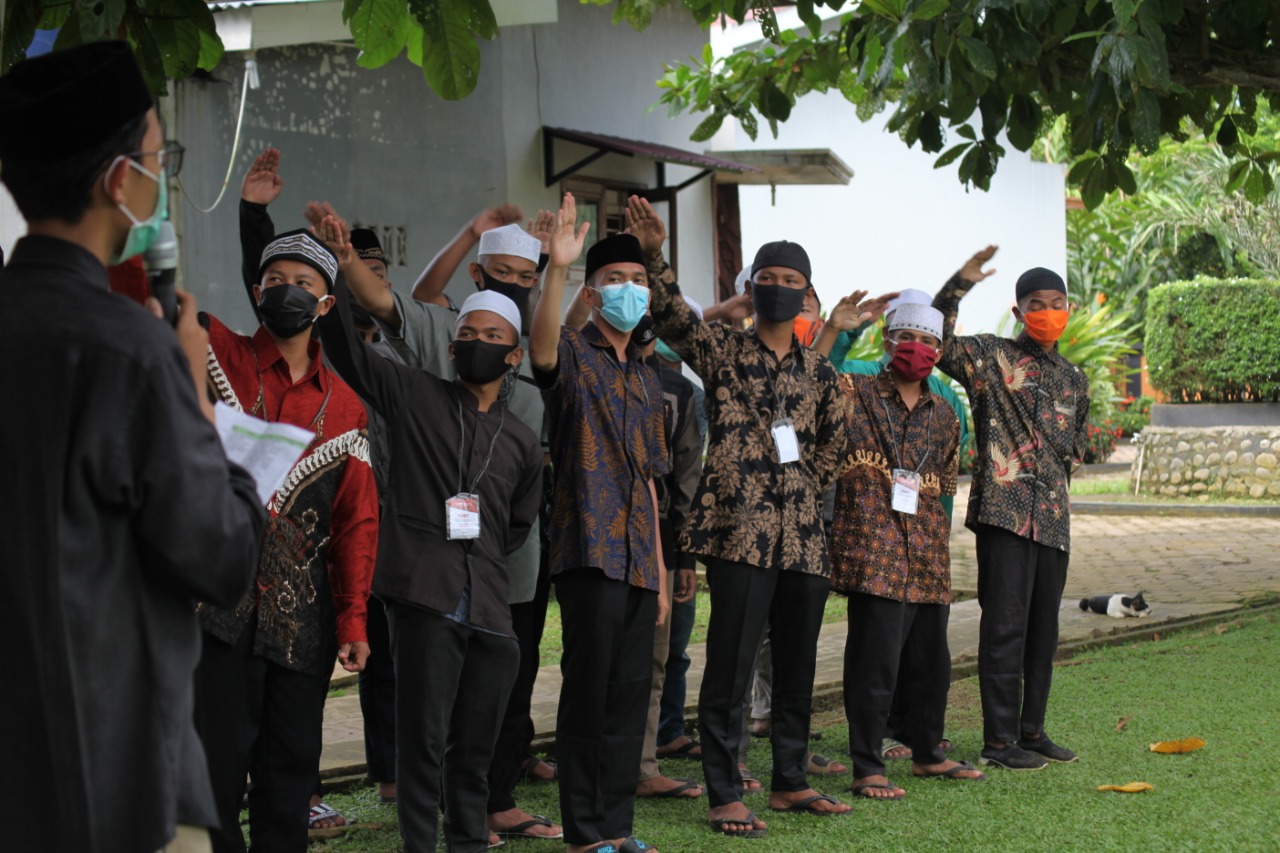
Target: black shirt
{"type": "Point", "coordinates": [417, 563]}
{"type": "Point", "coordinates": [123, 512]}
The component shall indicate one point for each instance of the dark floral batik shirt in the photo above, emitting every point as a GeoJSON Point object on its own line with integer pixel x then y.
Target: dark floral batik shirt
{"type": "Point", "coordinates": [876, 549]}
{"type": "Point", "coordinates": [750, 508]}
{"type": "Point", "coordinates": [1030, 419]}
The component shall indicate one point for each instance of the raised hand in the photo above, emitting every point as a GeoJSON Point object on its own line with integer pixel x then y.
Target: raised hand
{"type": "Point", "coordinates": [316, 211]}
{"type": "Point", "coordinates": [735, 309]}
{"type": "Point", "coordinates": [333, 232]}
{"type": "Point", "coordinates": [972, 269]}
{"type": "Point", "coordinates": [646, 225]}
{"type": "Point", "coordinates": [542, 226]}
{"type": "Point", "coordinates": [262, 183]}
{"type": "Point", "coordinates": [495, 217]}
{"type": "Point", "coordinates": [564, 244]}
{"type": "Point", "coordinates": [847, 315]}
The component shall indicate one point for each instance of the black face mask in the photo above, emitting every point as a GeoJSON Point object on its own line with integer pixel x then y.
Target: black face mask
{"type": "Point", "coordinates": [480, 362]}
{"type": "Point", "coordinates": [644, 333]}
{"type": "Point", "coordinates": [776, 303]}
{"type": "Point", "coordinates": [287, 310]}
{"type": "Point", "coordinates": [517, 293]}
{"type": "Point", "coordinates": [360, 317]}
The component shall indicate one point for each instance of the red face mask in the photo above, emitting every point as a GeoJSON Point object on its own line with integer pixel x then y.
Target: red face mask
{"type": "Point", "coordinates": [913, 360]}
{"type": "Point", "coordinates": [1045, 326]}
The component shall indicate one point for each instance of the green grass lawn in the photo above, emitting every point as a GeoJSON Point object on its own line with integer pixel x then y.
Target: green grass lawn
{"type": "Point", "coordinates": [1220, 685]}
{"type": "Point", "coordinates": [1109, 488]}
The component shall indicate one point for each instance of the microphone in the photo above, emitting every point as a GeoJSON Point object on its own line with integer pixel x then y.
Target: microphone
{"type": "Point", "coordinates": [161, 261]}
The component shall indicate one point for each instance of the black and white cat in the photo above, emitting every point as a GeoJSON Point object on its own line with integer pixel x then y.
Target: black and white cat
{"type": "Point", "coordinates": [1118, 606]}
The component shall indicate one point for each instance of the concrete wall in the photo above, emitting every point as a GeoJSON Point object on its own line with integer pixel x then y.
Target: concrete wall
{"type": "Point", "coordinates": [385, 150]}
{"type": "Point", "coordinates": [1232, 461]}
{"type": "Point", "coordinates": [901, 223]}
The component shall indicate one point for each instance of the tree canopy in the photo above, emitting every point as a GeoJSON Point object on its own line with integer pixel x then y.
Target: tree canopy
{"type": "Point", "coordinates": [962, 77]}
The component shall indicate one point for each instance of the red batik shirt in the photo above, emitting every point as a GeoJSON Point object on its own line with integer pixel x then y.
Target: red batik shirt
{"type": "Point", "coordinates": [318, 549]}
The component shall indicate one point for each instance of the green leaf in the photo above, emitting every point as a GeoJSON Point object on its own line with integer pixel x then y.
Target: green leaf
{"type": "Point", "coordinates": [100, 19]}
{"type": "Point", "coordinates": [930, 9]}
{"type": "Point", "coordinates": [1124, 10]}
{"type": "Point", "coordinates": [450, 55]}
{"type": "Point", "coordinates": [707, 127]}
{"type": "Point", "coordinates": [1236, 175]}
{"type": "Point", "coordinates": [966, 131]}
{"type": "Point", "coordinates": [979, 56]}
{"type": "Point", "coordinates": [178, 40]}
{"type": "Point", "coordinates": [211, 51]}
{"type": "Point", "coordinates": [930, 130]}
{"type": "Point", "coordinates": [949, 156]}
{"type": "Point", "coordinates": [1025, 118]}
{"type": "Point", "coordinates": [1256, 184]}
{"type": "Point", "coordinates": [20, 20]}
{"type": "Point", "coordinates": [1228, 136]}
{"type": "Point", "coordinates": [380, 29]}
{"type": "Point", "coordinates": [1081, 170]}
{"type": "Point", "coordinates": [1125, 179]}
{"type": "Point", "coordinates": [1145, 121]}
{"type": "Point", "coordinates": [774, 104]}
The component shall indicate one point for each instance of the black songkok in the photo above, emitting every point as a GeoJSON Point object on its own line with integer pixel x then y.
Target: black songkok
{"type": "Point", "coordinates": [368, 247]}
{"type": "Point", "coordinates": [782, 253]}
{"type": "Point", "coordinates": [68, 101]}
{"type": "Point", "coordinates": [618, 249]}
{"type": "Point", "coordinates": [1038, 278]}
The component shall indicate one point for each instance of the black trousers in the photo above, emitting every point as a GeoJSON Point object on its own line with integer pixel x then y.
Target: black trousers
{"type": "Point", "coordinates": [607, 670]}
{"type": "Point", "coordinates": [1020, 587]}
{"type": "Point", "coordinates": [452, 683]}
{"type": "Point", "coordinates": [515, 738]}
{"type": "Point", "coordinates": [895, 645]}
{"type": "Point", "coordinates": [377, 683]}
{"type": "Point", "coordinates": [260, 720]}
{"type": "Point", "coordinates": [743, 600]}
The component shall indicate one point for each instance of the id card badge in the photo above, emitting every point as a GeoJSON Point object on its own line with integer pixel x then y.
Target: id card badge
{"type": "Point", "coordinates": [784, 436]}
{"type": "Point", "coordinates": [906, 490]}
{"type": "Point", "coordinates": [462, 513]}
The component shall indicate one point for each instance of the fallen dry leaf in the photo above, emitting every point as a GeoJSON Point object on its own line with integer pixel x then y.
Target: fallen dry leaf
{"type": "Point", "coordinates": [1170, 747]}
{"type": "Point", "coordinates": [1131, 788]}
{"type": "Point", "coordinates": [1124, 721]}
{"type": "Point", "coordinates": [1156, 636]}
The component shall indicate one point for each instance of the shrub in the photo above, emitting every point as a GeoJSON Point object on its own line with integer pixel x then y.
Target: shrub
{"type": "Point", "coordinates": [1133, 414]}
{"type": "Point", "coordinates": [1101, 441]}
{"type": "Point", "coordinates": [1215, 340]}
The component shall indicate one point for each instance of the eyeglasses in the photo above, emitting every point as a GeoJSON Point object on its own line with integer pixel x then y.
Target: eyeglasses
{"type": "Point", "coordinates": [169, 157]}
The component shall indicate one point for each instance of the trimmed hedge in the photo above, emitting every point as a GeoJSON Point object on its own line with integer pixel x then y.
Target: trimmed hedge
{"type": "Point", "coordinates": [1215, 340]}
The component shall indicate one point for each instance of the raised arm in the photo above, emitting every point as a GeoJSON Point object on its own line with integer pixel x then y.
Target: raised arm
{"type": "Point", "coordinates": [435, 277]}
{"type": "Point", "coordinates": [375, 379]}
{"type": "Point", "coordinates": [369, 291]}
{"type": "Point", "coordinates": [851, 314]}
{"type": "Point", "coordinates": [564, 247]}
{"type": "Point", "coordinates": [954, 355]}
{"type": "Point", "coordinates": [261, 186]}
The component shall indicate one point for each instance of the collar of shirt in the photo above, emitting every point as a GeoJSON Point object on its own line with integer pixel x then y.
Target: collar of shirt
{"type": "Point", "coordinates": [596, 338]}
{"type": "Point", "coordinates": [886, 387]}
{"type": "Point", "coordinates": [79, 262]}
{"type": "Point", "coordinates": [753, 340]}
{"type": "Point", "coordinates": [264, 347]}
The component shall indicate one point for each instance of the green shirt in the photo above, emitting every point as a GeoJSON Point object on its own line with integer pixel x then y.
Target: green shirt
{"type": "Point", "coordinates": [870, 368]}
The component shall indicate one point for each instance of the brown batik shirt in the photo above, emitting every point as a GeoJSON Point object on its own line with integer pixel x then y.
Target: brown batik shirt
{"type": "Point", "coordinates": [876, 549]}
{"type": "Point", "coordinates": [1030, 416]}
{"type": "Point", "coordinates": [750, 508]}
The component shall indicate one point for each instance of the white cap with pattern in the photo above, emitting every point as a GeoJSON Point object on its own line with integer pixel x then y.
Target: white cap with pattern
{"type": "Point", "coordinates": [918, 318]}
{"type": "Point", "coordinates": [510, 240]}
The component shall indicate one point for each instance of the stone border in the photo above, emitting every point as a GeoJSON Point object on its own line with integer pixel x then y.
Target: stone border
{"type": "Point", "coordinates": [1233, 461]}
{"type": "Point", "coordinates": [1207, 415]}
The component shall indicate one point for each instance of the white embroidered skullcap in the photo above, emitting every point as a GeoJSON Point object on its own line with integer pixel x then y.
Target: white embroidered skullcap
{"type": "Point", "coordinates": [918, 318]}
{"type": "Point", "coordinates": [697, 309]}
{"type": "Point", "coordinates": [489, 300]}
{"type": "Point", "coordinates": [302, 246]}
{"type": "Point", "coordinates": [510, 240]}
{"type": "Point", "coordinates": [910, 296]}
{"type": "Point", "coordinates": [740, 283]}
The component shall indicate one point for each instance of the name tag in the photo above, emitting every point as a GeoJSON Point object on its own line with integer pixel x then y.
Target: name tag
{"type": "Point", "coordinates": [906, 491]}
{"type": "Point", "coordinates": [784, 437]}
{"type": "Point", "coordinates": [462, 515]}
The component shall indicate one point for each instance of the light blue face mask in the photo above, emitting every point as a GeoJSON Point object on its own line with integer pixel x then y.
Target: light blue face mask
{"type": "Point", "coordinates": [143, 232]}
{"type": "Point", "coordinates": [622, 305]}
{"type": "Point", "coordinates": [664, 351]}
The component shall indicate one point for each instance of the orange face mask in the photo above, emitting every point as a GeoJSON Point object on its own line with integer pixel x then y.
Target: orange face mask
{"type": "Point", "coordinates": [807, 330]}
{"type": "Point", "coordinates": [1045, 327]}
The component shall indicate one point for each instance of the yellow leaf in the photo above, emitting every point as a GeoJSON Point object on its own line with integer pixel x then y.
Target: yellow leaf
{"type": "Point", "coordinates": [1131, 788]}
{"type": "Point", "coordinates": [1169, 747]}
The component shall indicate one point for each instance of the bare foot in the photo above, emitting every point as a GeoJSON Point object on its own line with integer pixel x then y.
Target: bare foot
{"type": "Point", "coordinates": [531, 826]}
{"type": "Point", "coordinates": [820, 765]}
{"type": "Point", "coordinates": [866, 787]}
{"type": "Point", "coordinates": [783, 800]}
{"type": "Point", "coordinates": [749, 781]}
{"type": "Point", "coordinates": [737, 814]}
{"type": "Point", "coordinates": [761, 728]}
{"type": "Point", "coordinates": [539, 771]}
{"type": "Point", "coordinates": [387, 790]}
{"type": "Point", "coordinates": [664, 786]}
{"type": "Point", "coordinates": [950, 769]}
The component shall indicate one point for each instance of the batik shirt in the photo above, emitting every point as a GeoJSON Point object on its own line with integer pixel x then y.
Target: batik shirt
{"type": "Point", "coordinates": [318, 549]}
{"type": "Point", "coordinates": [1030, 418]}
{"type": "Point", "coordinates": [607, 443]}
{"type": "Point", "coordinates": [878, 550]}
{"type": "Point", "coordinates": [750, 507]}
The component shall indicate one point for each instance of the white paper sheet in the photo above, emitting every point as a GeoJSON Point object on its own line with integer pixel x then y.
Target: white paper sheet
{"type": "Point", "coordinates": [267, 451]}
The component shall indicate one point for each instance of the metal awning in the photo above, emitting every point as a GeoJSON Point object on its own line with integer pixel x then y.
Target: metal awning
{"type": "Point", "coordinates": [788, 166]}
{"type": "Point", "coordinates": [605, 144]}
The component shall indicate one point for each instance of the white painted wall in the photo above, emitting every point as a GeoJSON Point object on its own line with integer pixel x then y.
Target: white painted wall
{"type": "Point", "coordinates": [901, 223]}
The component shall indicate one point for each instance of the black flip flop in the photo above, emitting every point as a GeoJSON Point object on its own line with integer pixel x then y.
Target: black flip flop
{"type": "Point", "coordinates": [719, 824]}
{"type": "Point", "coordinates": [857, 790]}
{"type": "Point", "coordinates": [676, 793]}
{"type": "Point", "coordinates": [802, 807]}
{"type": "Point", "coordinates": [953, 774]}
{"type": "Point", "coordinates": [684, 750]}
{"type": "Point", "coordinates": [521, 830]}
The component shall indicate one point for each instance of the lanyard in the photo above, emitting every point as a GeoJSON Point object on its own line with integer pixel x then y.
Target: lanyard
{"type": "Point", "coordinates": [261, 405]}
{"type": "Point", "coordinates": [462, 435]}
{"type": "Point", "coordinates": [777, 401]}
{"type": "Point", "coordinates": [897, 446]}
